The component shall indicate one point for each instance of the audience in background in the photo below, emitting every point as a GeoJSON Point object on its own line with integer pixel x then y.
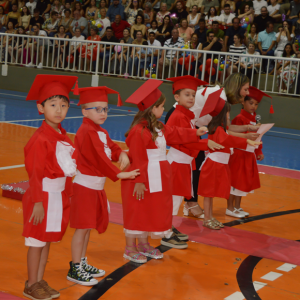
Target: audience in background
{"type": "Point", "coordinates": [115, 9]}
{"type": "Point", "coordinates": [194, 17]}
{"type": "Point", "coordinates": [80, 22]}
{"type": "Point", "coordinates": [231, 32]}
{"type": "Point", "coordinates": [162, 13]}
{"type": "Point", "coordinates": [262, 19]}
{"type": "Point", "coordinates": [283, 36]}
{"type": "Point", "coordinates": [250, 64]}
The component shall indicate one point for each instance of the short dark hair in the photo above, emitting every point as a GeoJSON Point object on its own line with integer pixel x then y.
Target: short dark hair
{"type": "Point", "coordinates": [56, 96]}
{"type": "Point", "coordinates": [209, 32]}
{"type": "Point", "coordinates": [67, 10]}
{"type": "Point", "coordinates": [36, 10]}
{"type": "Point", "coordinates": [151, 33]}
{"type": "Point", "coordinates": [53, 13]}
{"type": "Point", "coordinates": [269, 23]}
{"type": "Point", "coordinates": [78, 28]}
{"type": "Point", "coordinates": [215, 23]}
{"type": "Point", "coordinates": [141, 16]}
{"type": "Point", "coordinates": [145, 43]}
{"type": "Point", "coordinates": [109, 27]}
{"type": "Point", "coordinates": [139, 31]}
{"type": "Point", "coordinates": [202, 21]}
{"type": "Point", "coordinates": [235, 18]}
{"type": "Point", "coordinates": [227, 5]}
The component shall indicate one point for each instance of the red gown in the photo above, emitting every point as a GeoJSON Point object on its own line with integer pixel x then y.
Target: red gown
{"type": "Point", "coordinates": [182, 183]}
{"type": "Point", "coordinates": [243, 165]}
{"type": "Point", "coordinates": [89, 206]}
{"type": "Point", "coordinates": [215, 178]}
{"type": "Point", "coordinates": [43, 162]}
{"type": "Point", "coordinates": [154, 212]}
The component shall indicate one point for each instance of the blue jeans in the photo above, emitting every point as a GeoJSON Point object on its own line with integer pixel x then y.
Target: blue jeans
{"type": "Point", "coordinates": [105, 60]}
{"type": "Point", "coordinates": [142, 65]}
{"type": "Point", "coordinates": [265, 61]}
{"type": "Point", "coordinates": [192, 69]}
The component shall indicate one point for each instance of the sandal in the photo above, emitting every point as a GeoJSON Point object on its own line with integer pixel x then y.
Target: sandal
{"type": "Point", "coordinates": [137, 258]}
{"type": "Point", "coordinates": [154, 253]}
{"type": "Point", "coordinates": [186, 212]}
{"type": "Point", "coordinates": [211, 225]}
{"type": "Point", "coordinates": [221, 225]}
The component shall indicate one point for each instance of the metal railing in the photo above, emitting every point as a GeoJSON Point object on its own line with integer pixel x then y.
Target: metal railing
{"type": "Point", "coordinates": [103, 58]}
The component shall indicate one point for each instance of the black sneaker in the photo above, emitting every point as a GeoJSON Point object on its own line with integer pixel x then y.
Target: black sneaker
{"type": "Point", "coordinates": [90, 269]}
{"type": "Point", "coordinates": [181, 236]}
{"type": "Point", "coordinates": [79, 275]}
{"type": "Point", "coordinates": [174, 242]}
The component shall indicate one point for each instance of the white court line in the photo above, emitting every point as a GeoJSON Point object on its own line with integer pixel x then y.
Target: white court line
{"type": "Point", "coordinates": [286, 267]}
{"type": "Point", "coordinates": [258, 285]}
{"type": "Point", "coordinates": [271, 276]}
{"type": "Point", "coordinates": [12, 167]}
{"type": "Point", "coordinates": [235, 296]}
{"type": "Point", "coordinates": [284, 133]}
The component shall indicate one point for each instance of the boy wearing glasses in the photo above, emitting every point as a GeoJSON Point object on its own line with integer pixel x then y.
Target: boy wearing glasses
{"type": "Point", "coordinates": [89, 204]}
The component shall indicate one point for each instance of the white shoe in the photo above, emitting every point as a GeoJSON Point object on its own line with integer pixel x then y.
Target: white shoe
{"type": "Point", "coordinates": [235, 213]}
{"type": "Point", "coordinates": [244, 212]}
{"type": "Point", "coordinates": [186, 212]}
{"type": "Point", "coordinates": [40, 66]}
{"type": "Point", "coordinates": [30, 65]}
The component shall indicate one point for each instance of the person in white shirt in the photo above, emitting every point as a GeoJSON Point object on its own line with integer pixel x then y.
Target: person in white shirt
{"type": "Point", "coordinates": [257, 5]}
{"type": "Point", "coordinates": [104, 21]}
{"type": "Point", "coordinates": [190, 3]}
{"type": "Point", "coordinates": [75, 45]}
{"type": "Point", "coordinates": [31, 5]}
{"type": "Point", "coordinates": [226, 18]}
{"type": "Point", "coordinates": [155, 43]}
{"type": "Point", "coordinates": [273, 10]}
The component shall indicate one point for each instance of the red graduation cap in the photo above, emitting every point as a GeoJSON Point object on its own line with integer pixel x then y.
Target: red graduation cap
{"type": "Point", "coordinates": [186, 82]}
{"type": "Point", "coordinates": [46, 86]}
{"type": "Point", "coordinates": [214, 104]}
{"type": "Point", "coordinates": [257, 95]}
{"type": "Point", "coordinates": [95, 94]}
{"type": "Point", "coordinates": [146, 95]}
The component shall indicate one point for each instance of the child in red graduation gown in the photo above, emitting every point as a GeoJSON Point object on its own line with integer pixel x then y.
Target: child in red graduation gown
{"type": "Point", "coordinates": [147, 200]}
{"type": "Point", "coordinates": [50, 166]}
{"type": "Point", "coordinates": [215, 173]}
{"type": "Point", "coordinates": [89, 204]}
{"type": "Point", "coordinates": [182, 156]}
{"type": "Point", "coordinates": [243, 166]}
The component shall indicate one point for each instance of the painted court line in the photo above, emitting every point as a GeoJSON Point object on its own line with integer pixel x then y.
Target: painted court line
{"type": "Point", "coordinates": [271, 276]}
{"type": "Point", "coordinates": [258, 285]}
{"type": "Point", "coordinates": [12, 167]}
{"type": "Point", "coordinates": [286, 267]}
{"type": "Point", "coordinates": [235, 296]}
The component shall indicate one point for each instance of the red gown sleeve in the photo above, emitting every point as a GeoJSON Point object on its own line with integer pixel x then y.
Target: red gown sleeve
{"type": "Point", "coordinates": [115, 149]}
{"type": "Point", "coordinates": [137, 141]}
{"type": "Point", "coordinates": [176, 135]}
{"type": "Point", "coordinates": [237, 121]}
{"type": "Point", "coordinates": [258, 151]}
{"type": "Point", "coordinates": [35, 163]}
{"type": "Point", "coordinates": [229, 141]}
{"type": "Point", "coordinates": [94, 153]}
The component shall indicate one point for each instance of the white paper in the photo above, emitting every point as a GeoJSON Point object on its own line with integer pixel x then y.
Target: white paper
{"type": "Point", "coordinates": [263, 129]}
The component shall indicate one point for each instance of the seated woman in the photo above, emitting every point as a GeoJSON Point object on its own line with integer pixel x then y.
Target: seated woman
{"type": "Point", "coordinates": [91, 12]}
{"type": "Point", "coordinates": [132, 10]}
{"type": "Point", "coordinates": [237, 48]}
{"type": "Point", "coordinates": [160, 16]}
{"type": "Point", "coordinates": [247, 12]}
{"type": "Point", "coordinates": [60, 47]}
{"type": "Point", "coordinates": [283, 37]}
{"type": "Point", "coordinates": [138, 25]}
{"type": "Point", "coordinates": [153, 27]}
{"type": "Point", "coordinates": [66, 22]}
{"type": "Point", "coordinates": [76, 44]}
{"type": "Point", "coordinates": [194, 17]}
{"type": "Point", "coordinates": [90, 51]}
{"type": "Point", "coordinates": [251, 63]}
{"type": "Point", "coordinates": [58, 7]}
{"type": "Point", "coordinates": [25, 18]}
{"type": "Point", "coordinates": [211, 16]}
{"type": "Point", "coordinates": [17, 47]}
{"type": "Point", "coordinates": [148, 14]}
{"type": "Point", "coordinates": [10, 30]}
{"type": "Point", "coordinates": [286, 71]}
{"type": "Point", "coordinates": [164, 31]}
{"type": "Point", "coordinates": [252, 36]}
{"type": "Point", "coordinates": [185, 32]}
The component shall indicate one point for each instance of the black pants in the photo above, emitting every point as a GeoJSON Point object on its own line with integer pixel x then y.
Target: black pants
{"type": "Point", "coordinates": [196, 175]}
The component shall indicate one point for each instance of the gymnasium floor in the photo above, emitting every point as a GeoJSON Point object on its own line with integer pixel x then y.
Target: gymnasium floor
{"type": "Point", "coordinates": [255, 258]}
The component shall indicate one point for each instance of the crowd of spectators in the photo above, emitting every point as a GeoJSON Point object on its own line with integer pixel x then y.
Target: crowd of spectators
{"type": "Point", "coordinates": [273, 29]}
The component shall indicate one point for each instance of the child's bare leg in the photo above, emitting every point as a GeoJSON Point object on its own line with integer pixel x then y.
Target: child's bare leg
{"type": "Point", "coordinates": [86, 242]}
{"type": "Point", "coordinates": [211, 208]}
{"type": "Point", "coordinates": [33, 263]}
{"type": "Point", "coordinates": [238, 200]}
{"type": "Point", "coordinates": [78, 244]}
{"type": "Point", "coordinates": [207, 203]}
{"type": "Point", "coordinates": [231, 202]}
{"type": "Point", "coordinates": [131, 249]}
{"type": "Point", "coordinates": [43, 261]}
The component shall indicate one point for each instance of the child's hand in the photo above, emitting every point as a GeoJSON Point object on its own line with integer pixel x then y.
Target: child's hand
{"type": "Point", "coordinates": [123, 160]}
{"type": "Point", "coordinates": [201, 131]}
{"type": "Point", "coordinates": [260, 157]}
{"type": "Point", "coordinates": [252, 136]}
{"type": "Point", "coordinates": [254, 127]}
{"type": "Point", "coordinates": [38, 213]}
{"type": "Point", "coordinates": [129, 175]}
{"type": "Point", "coordinates": [139, 189]}
{"type": "Point", "coordinates": [213, 145]}
{"type": "Point", "coordinates": [252, 143]}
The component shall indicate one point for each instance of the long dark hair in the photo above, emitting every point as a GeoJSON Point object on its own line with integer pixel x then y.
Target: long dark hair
{"type": "Point", "coordinates": [284, 51]}
{"type": "Point", "coordinates": [219, 120]}
{"type": "Point", "coordinates": [149, 117]}
{"type": "Point", "coordinates": [208, 14]}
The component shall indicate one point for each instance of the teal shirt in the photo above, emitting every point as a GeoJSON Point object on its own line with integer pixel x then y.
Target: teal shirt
{"type": "Point", "coordinates": [266, 39]}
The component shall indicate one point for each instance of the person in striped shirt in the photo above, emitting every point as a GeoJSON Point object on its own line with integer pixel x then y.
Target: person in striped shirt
{"type": "Point", "coordinates": [237, 48]}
